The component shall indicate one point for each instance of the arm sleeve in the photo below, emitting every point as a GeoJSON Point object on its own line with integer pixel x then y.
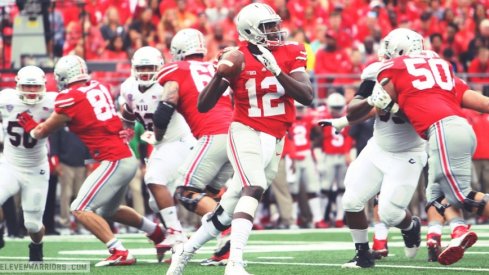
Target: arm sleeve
{"type": "Point", "coordinates": [366, 88]}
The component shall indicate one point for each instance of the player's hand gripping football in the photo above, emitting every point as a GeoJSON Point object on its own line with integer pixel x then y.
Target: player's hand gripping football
{"type": "Point", "coordinates": [337, 123]}
{"type": "Point", "coordinates": [267, 59]}
{"type": "Point", "coordinates": [382, 100]}
{"type": "Point", "coordinates": [26, 121]}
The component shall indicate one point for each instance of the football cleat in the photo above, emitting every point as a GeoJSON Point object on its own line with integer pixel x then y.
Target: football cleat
{"type": "Point", "coordinates": [158, 235]}
{"type": "Point", "coordinates": [236, 268]}
{"type": "Point", "coordinates": [220, 257]}
{"type": "Point", "coordinates": [363, 259]}
{"type": "Point", "coordinates": [179, 260]}
{"type": "Point", "coordinates": [412, 238]}
{"type": "Point", "coordinates": [462, 239]}
{"type": "Point", "coordinates": [117, 257]}
{"type": "Point", "coordinates": [380, 249]}
{"type": "Point", "coordinates": [433, 243]}
{"type": "Point", "coordinates": [35, 252]}
{"type": "Point", "coordinates": [321, 224]}
{"type": "Point", "coordinates": [172, 237]}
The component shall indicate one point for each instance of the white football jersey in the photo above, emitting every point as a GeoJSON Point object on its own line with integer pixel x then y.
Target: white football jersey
{"type": "Point", "coordinates": [391, 132]}
{"type": "Point", "coordinates": [144, 105]}
{"type": "Point", "coordinates": [20, 149]}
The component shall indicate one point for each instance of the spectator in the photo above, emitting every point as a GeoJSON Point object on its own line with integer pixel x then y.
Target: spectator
{"type": "Point", "coordinates": [480, 67]}
{"type": "Point", "coordinates": [481, 39]}
{"type": "Point", "coordinates": [112, 26]}
{"type": "Point", "coordinates": [436, 43]}
{"type": "Point", "coordinates": [143, 28]}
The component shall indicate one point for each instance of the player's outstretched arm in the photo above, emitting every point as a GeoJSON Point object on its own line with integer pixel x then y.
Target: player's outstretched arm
{"type": "Point", "coordinates": [53, 123]}
{"type": "Point", "coordinates": [476, 101]}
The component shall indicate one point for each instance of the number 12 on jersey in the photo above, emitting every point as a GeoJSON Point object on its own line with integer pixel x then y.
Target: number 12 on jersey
{"type": "Point", "coordinates": [267, 109]}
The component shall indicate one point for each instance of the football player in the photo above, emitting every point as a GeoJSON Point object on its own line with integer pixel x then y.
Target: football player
{"type": "Point", "coordinates": [263, 93]}
{"type": "Point", "coordinates": [24, 164]}
{"type": "Point", "coordinates": [336, 148]}
{"type": "Point", "coordinates": [391, 162]}
{"type": "Point", "coordinates": [306, 172]}
{"type": "Point", "coordinates": [207, 169]}
{"type": "Point", "coordinates": [432, 97]}
{"type": "Point", "coordinates": [87, 108]}
{"type": "Point", "coordinates": [141, 94]}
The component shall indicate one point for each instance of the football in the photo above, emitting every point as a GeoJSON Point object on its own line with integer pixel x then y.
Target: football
{"type": "Point", "coordinates": [231, 63]}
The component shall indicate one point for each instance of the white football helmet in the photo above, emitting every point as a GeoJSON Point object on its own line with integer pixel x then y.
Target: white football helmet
{"type": "Point", "coordinates": [145, 63]}
{"type": "Point", "coordinates": [336, 104]}
{"type": "Point", "coordinates": [31, 76]}
{"type": "Point", "coordinates": [254, 22]}
{"type": "Point", "coordinates": [70, 69]}
{"type": "Point", "coordinates": [401, 41]}
{"type": "Point", "coordinates": [187, 42]}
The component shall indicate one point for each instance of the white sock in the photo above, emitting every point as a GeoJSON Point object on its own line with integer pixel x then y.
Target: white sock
{"type": "Point", "coordinates": [435, 228]}
{"type": "Point", "coordinates": [115, 243]}
{"type": "Point", "coordinates": [169, 215]}
{"type": "Point", "coordinates": [359, 235]}
{"type": "Point", "coordinates": [315, 205]}
{"type": "Point", "coordinates": [147, 226]}
{"type": "Point", "coordinates": [381, 231]}
{"type": "Point", "coordinates": [239, 237]}
{"type": "Point", "coordinates": [206, 232]}
{"type": "Point", "coordinates": [339, 207]}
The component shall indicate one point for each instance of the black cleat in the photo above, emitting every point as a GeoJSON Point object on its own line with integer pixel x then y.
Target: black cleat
{"type": "Point", "coordinates": [35, 252]}
{"type": "Point", "coordinates": [412, 238]}
{"type": "Point", "coordinates": [2, 241]}
{"type": "Point", "coordinates": [363, 259]}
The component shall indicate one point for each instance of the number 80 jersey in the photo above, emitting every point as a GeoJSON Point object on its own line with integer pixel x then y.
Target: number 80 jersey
{"type": "Point", "coordinates": [20, 149]}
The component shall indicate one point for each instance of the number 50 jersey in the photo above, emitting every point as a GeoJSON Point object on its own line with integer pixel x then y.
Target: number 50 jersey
{"type": "Point", "coordinates": [20, 149]}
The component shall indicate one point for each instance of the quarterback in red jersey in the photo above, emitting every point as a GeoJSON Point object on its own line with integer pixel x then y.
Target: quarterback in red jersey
{"type": "Point", "coordinates": [431, 97]}
{"type": "Point", "coordinates": [86, 107]}
{"type": "Point", "coordinates": [263, 93]}
{"type": "Point", "coordinates": [207, 168]}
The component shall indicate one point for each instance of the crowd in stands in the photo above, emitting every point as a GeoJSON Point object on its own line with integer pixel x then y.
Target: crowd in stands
{"type": "Point", "coordinates": [341, 36]}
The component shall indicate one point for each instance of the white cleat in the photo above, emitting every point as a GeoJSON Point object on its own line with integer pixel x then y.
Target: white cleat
{"type": "Point", "coordinates": [179, 260]}
{"type": "Point", "coordinates": [235, 268]}
{"type": "Point", "coordinates": [172, 237]}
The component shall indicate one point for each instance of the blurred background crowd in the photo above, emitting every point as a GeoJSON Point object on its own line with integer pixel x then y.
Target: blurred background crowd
{"type": "Point", "coordinates": [341, 38]}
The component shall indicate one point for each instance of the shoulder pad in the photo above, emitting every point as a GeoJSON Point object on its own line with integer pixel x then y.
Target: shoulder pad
{"type": "Point", "coordinates": [370, 72]}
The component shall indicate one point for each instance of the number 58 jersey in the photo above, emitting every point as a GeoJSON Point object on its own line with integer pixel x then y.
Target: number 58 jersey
{"type": "Point", "coordinates": [20, 149]}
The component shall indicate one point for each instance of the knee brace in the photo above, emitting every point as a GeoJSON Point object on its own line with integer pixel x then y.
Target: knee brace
{"type": "Point", "coordinates": [185, 195]}
{"type": "Point", "coordinates": [470, 204]}
{"type": "Point", "coordinates": [391, 214]}
{"type": "Point", "coordinates": [439, 206]}
{"type": "Point", "coordinates": [33, 221]}
{"type": "Point", "coordinates": [219, 218]}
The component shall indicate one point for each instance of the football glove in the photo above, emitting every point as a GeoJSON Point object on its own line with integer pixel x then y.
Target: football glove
{"type": "Point", "coordinates": [149, 137]}
{"type": "Point", "coordinates": [337, 123]}
{"type": "Point", "coordinates": [267, 59]}
{"type": "Point", "coordinates": [126, 134]}
{"type": "Point", "coordinates": [382, 100]}
{"type": "Point", "coordinates": [26, 121]}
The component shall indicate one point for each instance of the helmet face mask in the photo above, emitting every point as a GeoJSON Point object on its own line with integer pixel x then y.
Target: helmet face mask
{"type": "Point", "coordinates": [70, 69]}
{"type": "Point", "coordinates": [401, 42]}
{"type": "Point", "coordinates": [187, 42]}
{"type": "Point", "coordinates": [258, 24]}
{"type": "Point", "coordinates": [31, 84]}
{"type": "Point", "coordinates": [145, 63]}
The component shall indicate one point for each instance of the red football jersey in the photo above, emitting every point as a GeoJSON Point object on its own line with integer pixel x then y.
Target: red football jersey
{"type": "Point", "coordinates": [300, 133]}
{"type": "Point", "coordinates": [259, 100]}
{"type": "Point", "coordinates": [480, 124]}
{"type": "Point", "coordinates": [333, 143]}
{"type": "Point", "coordinates": [426, 89]}
{"type": "Point", "coordinates": [94, 120]}
{"type": "Point", "coordinates": [192, 77]}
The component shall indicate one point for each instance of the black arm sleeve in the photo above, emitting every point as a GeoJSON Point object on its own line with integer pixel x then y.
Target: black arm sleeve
{"type": "Point", "coordinates": [163, 114]}
{"type": "Point", "coordinates": [366, 88]}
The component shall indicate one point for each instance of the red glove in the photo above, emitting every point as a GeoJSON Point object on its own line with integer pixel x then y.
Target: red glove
{"type": "Point", "coordinates": [26, 121]}
{"type": "Point", "coordinates": [126, 134]}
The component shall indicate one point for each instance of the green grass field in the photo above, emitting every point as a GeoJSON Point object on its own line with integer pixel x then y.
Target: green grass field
{"type": "Point", "coordinates": [281, 252]}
